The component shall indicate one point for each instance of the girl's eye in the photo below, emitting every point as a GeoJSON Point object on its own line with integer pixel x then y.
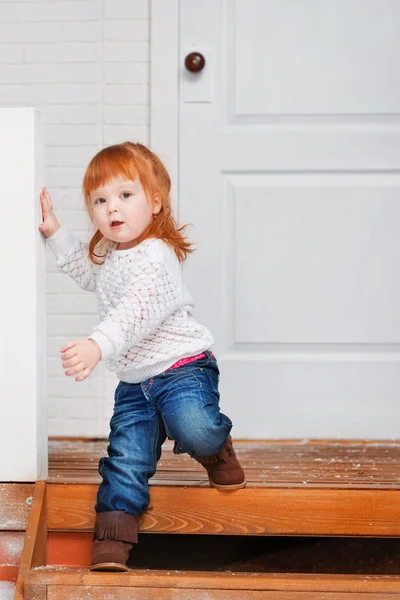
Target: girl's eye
{"type": "Point", "coordinates": [99, 201]}
{"type": "Point", "coordinates": [126, 195]}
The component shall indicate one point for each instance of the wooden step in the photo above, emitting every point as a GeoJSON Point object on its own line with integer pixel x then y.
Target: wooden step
{"type": "Point", "coordinates": [80, 584]}
{"type": "Point", "coordinates": [252, 511]}
{"type": "Point", "coordinates": [295, 489]}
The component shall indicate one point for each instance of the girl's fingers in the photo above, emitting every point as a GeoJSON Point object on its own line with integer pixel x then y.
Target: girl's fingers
{"type": "Point", "coordinates": [71, 362]}
{"type": "Point", "coordinates": [67, 346]}
{"type": "Point", "coordinates": [69, 353]}
{"type": "Point", "coordinates": [48, 199]}
{"type": "Point", "coordinates": [45, 201]}
{"type": "Point", "coordinates": [85, 373]}
{"type": "Point", "coordinates": [78, 369]}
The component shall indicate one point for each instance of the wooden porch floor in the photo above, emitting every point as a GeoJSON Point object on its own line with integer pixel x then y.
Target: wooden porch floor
{"type": "Point", "coordinates": [279, 464]}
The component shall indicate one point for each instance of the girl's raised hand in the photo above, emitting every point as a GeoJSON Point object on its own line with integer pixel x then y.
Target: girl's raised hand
{"type": "Point", "coordinates": [50, 224]}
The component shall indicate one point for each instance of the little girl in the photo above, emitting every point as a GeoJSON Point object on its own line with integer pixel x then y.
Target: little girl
{"type": "Point", "coordinates": [168, 378]}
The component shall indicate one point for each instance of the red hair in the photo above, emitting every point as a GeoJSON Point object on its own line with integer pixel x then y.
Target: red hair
{"type": "Point", "coordinates": [126, 161]}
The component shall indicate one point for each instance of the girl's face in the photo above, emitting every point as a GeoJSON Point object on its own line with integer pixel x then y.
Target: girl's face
{"type": "Point", "coordinates": [122, 211]}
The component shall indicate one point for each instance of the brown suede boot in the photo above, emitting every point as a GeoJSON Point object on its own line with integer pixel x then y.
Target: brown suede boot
{"type": "Point", "coordinates": [115, 533]}
{"type": "Point", "coordinates": [224, 470]}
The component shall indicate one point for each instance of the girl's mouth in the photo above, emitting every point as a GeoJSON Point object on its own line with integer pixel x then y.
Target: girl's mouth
{"type": "Point", "coordinates": [116, 224]}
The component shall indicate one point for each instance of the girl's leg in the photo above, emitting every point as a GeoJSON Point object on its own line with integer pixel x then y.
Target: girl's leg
{"type": "Point", "coordinates": [136, 436]}
{"type": "Point", "coordinates": [188, 400]}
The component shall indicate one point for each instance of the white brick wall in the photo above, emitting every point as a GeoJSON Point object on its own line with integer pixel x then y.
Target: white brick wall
{"type": "Point", "coordinates": [85, 64]}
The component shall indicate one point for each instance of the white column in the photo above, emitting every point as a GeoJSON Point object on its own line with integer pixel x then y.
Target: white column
{"type": "Point", "coordinates": [23, 414]}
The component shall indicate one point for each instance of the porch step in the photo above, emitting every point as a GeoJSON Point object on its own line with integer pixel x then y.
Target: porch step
{"type": "Point", "coordinates": [252, 511]}
{"type": "Point", "coordinates": [336, 490]}
{"type": "Point", "coordinates": [79, 584]}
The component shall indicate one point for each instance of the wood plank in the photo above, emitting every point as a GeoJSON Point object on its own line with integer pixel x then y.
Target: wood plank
{"type": "Point", "coordinates": [69, 549]}
{"type": "Point", "coordinates": [252, 511]}
{"type": "Point", "coordinates": [101, 593]}
{"type": "Point", "coordinates": [15, 506]}
{"type": "Point", "coordinates": [209, 580]}
{"type": "Point", "coordinates": [8, 573]}
{"type": "Point", "coordinates": [34, 551]}
{"type": "Point", "coordinates": [38, 592]}
{"type": "Point", "coordinates": [11, 544]}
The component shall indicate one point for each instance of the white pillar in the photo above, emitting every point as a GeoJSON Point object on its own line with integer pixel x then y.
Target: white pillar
{"type": "Point", "coordinates": [23, 414]}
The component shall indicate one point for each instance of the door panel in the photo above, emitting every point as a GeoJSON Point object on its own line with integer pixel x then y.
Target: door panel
{"type": "Point", "coordinates": [289, 172]}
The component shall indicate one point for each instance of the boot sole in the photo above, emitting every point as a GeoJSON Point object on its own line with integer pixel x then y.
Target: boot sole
{"type": "Point", "coordinates": [228, 488]}
{"type": "Point", "coordinates": [109, 566]}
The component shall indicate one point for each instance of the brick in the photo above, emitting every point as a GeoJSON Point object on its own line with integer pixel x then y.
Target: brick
{"type": "Point", "coordinates": [71, 326]}
{"type": "Point", "coordinates": [63, 53]}
{"type": "Point", "coordinates": [75, 427]}
{"type": "Point", "coordinates": [68, 286]}
{"type": "Point", "coordinates": [72, 304]}
{"type": "Point", "coordinates": [85, 114]}
{"type": "Point", "coordinates": [62, 176]}
{"type": "Point", "coordinates": [124, 9]}
{"type": "Point", "coordinates": [53, 284]}
{"type": "Point", "coordinates": [12, 95]}
{"type": "Point", "coordinates": [74, 219]}
{"type": "Point", "coordinates": [29, 32]}
{"type": "Point", "coordinates": [116, 134]}
{"type": "Point", "coordinates": [121, 52]}
{"type": "Point", "coordinates": [69, 157]}
{"type": "Point", "coordinates": [137, 95]}
{"type": "Point", "coordinates": [65, 387]}
{"type": "Point", "coordinates": [45, 94]}
{"type": "Point", "coordinates": [85, 31]}
{"type": "Point", "coordinates": [11, 54]}
{"type": "Point", "coordinates": [60, 73]}
{"type": "Point", "coordinates": [17, 12]}
{"type": "Point", "coordinates": [72, 199]}
{"type": "Point", "coordinates": [127, 73]}
{"type": "Point", "coordinates": [126, 31]}
{"type": "Point", "coordinates": [72, 135]}
{"type": "Point", "coordinates": [128, 115]}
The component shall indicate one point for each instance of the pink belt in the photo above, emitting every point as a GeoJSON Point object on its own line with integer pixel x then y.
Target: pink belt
{"type": "Point", "coordinates": [189, 359]}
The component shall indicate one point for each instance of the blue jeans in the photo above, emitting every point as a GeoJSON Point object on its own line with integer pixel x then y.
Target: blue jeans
{"type": "Point", "coordinates": [181, 404]}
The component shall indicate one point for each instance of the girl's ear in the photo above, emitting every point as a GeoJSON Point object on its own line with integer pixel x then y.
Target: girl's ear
{"type": "Point", "coordinates": [157, 204]}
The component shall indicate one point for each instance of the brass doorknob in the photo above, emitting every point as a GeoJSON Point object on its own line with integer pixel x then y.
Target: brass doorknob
{"type": "Point", "coordinates": [195, 62]}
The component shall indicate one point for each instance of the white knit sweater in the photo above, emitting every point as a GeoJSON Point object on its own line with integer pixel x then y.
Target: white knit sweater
{"type": "Point", "coordinates": [146, 312]}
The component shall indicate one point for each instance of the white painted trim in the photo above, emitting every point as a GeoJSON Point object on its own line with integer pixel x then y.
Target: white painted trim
{"type": "Point", "coordinates": [164, 87]}
{"type": "Point", "coordinates": [23, 361]}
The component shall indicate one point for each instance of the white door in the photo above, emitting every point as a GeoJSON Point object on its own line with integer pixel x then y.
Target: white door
{"type": "Point", "coordinates": [289, 157]}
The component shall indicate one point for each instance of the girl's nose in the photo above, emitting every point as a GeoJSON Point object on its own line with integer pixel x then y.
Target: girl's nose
{"type": "Point", "coordinates": [111, 208]}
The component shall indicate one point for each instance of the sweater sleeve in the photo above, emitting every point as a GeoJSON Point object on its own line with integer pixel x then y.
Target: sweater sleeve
{"type": "Point", "coordinates": [73, 258]}
{"type": "Point", "coordinates": [149, 298]}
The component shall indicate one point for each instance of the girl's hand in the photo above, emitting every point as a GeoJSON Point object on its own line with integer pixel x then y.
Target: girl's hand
{"type": "Point", "coordinates": [80, 356]}
{"type": "Point", "coordinates": [50, 224]}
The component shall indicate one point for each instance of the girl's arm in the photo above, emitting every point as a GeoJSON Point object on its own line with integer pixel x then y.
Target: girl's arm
{"type": "Point", "coordinates": [150, 297]}
{"type": "Point", "coordinates": [71, 254]}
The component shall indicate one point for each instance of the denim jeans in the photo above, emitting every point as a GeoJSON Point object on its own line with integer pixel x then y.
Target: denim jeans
{"type": "Point", "coordinates": [181, 404]}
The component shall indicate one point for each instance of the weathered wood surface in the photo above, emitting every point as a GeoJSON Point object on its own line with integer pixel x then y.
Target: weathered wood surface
{"type": "Point", "coordinates": [336, 465]}
{"type": "Point", "coordinates": [253, 511]}
{"type": "Point", "coordinates": [11, 544]}
{"type": "Point", "coordinates": [34, 550]}
{"type": "Point", "coordinates": [15, 504]}
{"type": "Point", "coordinates": [96, 593]}
{"type": "Point", "coordinates": [208, 580]}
